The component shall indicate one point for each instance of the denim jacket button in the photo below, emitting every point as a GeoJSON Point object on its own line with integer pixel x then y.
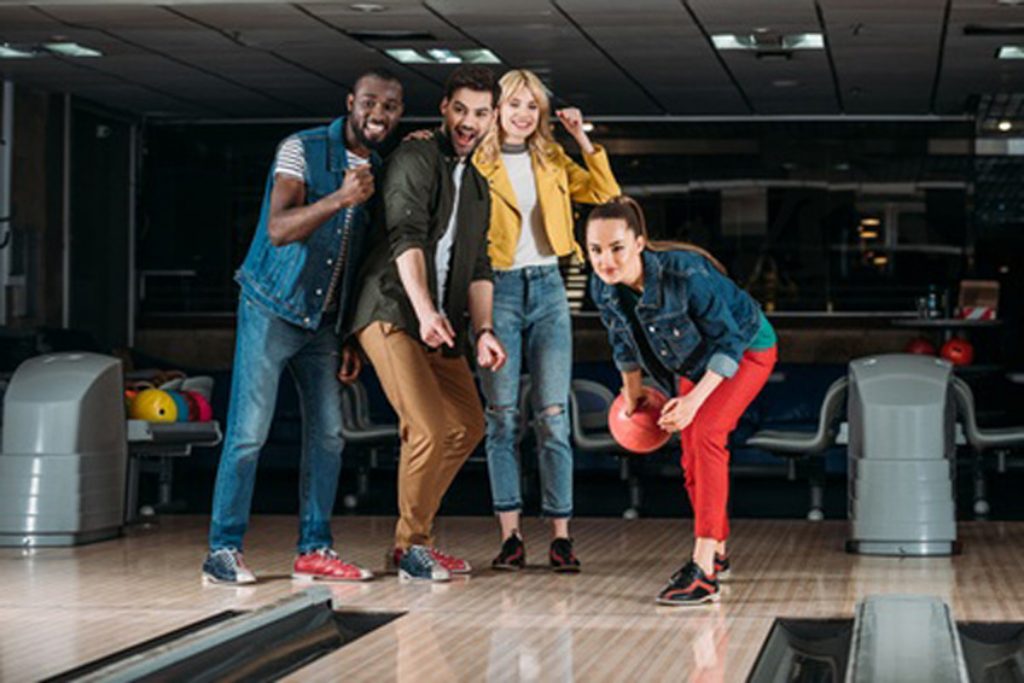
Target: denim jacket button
{"type": "Point", "coordinates": [319, 292]}
{"type": "Point", "coordinates": [675, 332]}
{"type": "Point", "coordinates": [330, 261]}
{"type": "Point", "coordinates": [664, 352]}
{"type": "Point", "coordinates": [305, 320]}
{"type": "Point", "coordinates": [652, 328]}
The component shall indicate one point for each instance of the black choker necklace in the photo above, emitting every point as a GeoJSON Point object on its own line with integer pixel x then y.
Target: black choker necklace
{"type": "Point", "coordinates": [509, 148]}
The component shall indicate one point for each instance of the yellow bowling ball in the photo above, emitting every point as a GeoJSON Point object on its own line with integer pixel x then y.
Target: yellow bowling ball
{"type": "Point", "coordinates": [155, 406]}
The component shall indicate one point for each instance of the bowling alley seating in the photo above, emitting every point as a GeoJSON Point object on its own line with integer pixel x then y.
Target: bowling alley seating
{"type": "Point", "coordinates": [369, 441]}
{"type": "Point", "coordinates": [998, 440]}
{"type": "Point", "coordinates": [796, 444]}
{"type": "Point", "coordinates": [589, 402]}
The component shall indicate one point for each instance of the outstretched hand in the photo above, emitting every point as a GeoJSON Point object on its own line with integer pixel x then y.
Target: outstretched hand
{"type": "Point", "coordinates": [436, 329]}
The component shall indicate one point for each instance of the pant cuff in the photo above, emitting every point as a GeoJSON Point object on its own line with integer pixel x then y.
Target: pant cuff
{"type": "Point", "coordinates": [508, 507]}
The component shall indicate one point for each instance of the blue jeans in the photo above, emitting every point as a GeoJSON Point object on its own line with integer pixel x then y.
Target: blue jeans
{"type": "Point", "coordinates": [531, 318]}
{"type": "Point", "coordinates": [265, 346]}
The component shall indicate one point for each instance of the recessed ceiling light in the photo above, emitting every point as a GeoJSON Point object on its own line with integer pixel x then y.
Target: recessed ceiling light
{"type": "Point", "coordinates": [1004, 126]}
{"type": "Point", "coordinates": [444, 56]}
{"type": "Point", "coordinates": [479, 56]}
{"type": "Point", "coordinates": [791, 41]}
{"type": "Point", "coordinates": [72, 50]}
{"type": "Point", "coordinates": [870, 222]}
{"type": "Point", "coordinates": [8, 51]}
{"type": "Point", "coordinates": [1010, 52]}
{"type": "Point", "coordinates": [731, 41]}
{"type": "Point", "coordinates": [367, 7]}
{"type": "Point", "coordinates": [803, 41]}
{"type": "Point", "coordinates": [408, 55]}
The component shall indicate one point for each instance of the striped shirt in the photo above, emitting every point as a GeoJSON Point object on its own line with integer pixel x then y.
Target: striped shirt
{"type": "Point", "coordinates": [291, 161]}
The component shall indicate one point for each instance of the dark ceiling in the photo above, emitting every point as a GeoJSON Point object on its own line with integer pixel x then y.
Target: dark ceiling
{"type": "Point", "coordinates": [613, 58]}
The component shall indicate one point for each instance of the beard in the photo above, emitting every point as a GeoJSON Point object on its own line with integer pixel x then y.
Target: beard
{"type": "Point", "coordinates": [357, 128]}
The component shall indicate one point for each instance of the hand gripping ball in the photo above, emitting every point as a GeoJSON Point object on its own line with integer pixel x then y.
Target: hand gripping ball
{"type": "Point", "coordinates": [639, 432]}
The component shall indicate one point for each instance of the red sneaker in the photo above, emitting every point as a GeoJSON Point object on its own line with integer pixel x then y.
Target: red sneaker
{"type": "Point", "coordinates": [325, 565]}
{"type": "Point", "coordinates": [454, 565]}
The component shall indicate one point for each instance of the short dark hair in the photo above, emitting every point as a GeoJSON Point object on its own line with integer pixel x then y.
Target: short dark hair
{"type": "Point", "coordinates": [474, 77]}
{"type": "Point", "coordinates": [380, 73]}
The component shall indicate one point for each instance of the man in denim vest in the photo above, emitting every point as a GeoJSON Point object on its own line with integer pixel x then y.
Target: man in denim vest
{"type": "Point", "coordinates": [297, 282]}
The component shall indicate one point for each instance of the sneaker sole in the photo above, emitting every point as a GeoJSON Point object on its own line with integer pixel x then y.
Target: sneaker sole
{"type": "Point", "coordinates": [209, 580]}
{"type": "Point", "coordinates": [311, 578]}
{"type": "Point", "coordinates": [566, 570]}
{"type": "Point", "coordinates": [507, 567]}
{"type": "Point", "coordinates": [714, 597]}
{"type": "Point", "coordinates": [406, 576]}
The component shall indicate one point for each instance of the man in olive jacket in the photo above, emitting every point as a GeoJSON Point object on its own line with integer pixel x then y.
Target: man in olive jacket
{"type": "Point", "coordinates": [417, 286]}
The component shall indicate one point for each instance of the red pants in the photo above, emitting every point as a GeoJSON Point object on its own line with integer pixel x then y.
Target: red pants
{"type": "Point", "coordinates": [705, 453]}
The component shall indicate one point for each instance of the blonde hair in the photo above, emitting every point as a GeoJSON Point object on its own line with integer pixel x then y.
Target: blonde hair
{"type": "Point", "coordinates": [541, 142]}
{"type": "Point", "coordinates": [627, 209]}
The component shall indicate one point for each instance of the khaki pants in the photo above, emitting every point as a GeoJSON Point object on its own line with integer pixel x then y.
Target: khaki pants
{"type": "Point", "coordinates": [440, 422]}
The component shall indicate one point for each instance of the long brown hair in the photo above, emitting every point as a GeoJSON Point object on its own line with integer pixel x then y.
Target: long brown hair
{"type": "Point", "coordinates": [627, 209]}
{"type": "Point", "coordinates": [541, 142]}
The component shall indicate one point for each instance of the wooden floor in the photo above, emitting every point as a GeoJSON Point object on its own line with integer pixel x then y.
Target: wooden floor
{"type": "Point", "coordinates": [60, 608]}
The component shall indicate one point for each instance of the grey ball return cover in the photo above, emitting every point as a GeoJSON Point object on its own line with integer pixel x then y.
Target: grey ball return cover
{"type": "Point", "coordinates": [901, 456]}
{"type": "Point", "coordinates": [62, 468]}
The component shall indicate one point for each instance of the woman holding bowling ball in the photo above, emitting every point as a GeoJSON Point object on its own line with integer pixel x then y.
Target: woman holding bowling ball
{"type": "Point", "coordinates": [672, 312]}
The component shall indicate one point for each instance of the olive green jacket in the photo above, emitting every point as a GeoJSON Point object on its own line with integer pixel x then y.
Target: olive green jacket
{"type": "Point", "coordinates": [417, 198]}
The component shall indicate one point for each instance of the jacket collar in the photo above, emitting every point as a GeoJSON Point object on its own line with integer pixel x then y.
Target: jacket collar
{"type": "Point", "coordinates": [494, 171]}
{"type": "Point", "coordinates": [336, 159]}
{"type": "Point", "coordinates": [653, 271]}
{"type": "Point", "coordinates": [445, 144]}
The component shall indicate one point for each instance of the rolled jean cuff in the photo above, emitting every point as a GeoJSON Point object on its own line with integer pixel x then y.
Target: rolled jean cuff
{"type": "Point", "coordinates": [508, 507]}
{"type": "Point", "coordinates": [548, 514]}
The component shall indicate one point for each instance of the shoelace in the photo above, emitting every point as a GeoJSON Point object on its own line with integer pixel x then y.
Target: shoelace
{"type": "Point", "coordinates": [327, 552]}
{"type": "Point", "coordinates": [687, 571]}
{"type": "Point", "coordinates": [421, 555]}
{"type": "Point", "coordinates": [234, 553]}
{"type": "Point", "coordinates": [442, 557]}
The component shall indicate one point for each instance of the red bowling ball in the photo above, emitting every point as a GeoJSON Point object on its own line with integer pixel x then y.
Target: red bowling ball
{"type": "Point", "coordinates": [958, 351]}
{"type": "Point", "coordinates": [639, 432]}
{"type": "Point", "coordinates": [921, 346]}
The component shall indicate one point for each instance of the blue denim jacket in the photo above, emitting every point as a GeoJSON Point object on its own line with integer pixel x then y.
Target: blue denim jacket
{"type": "Point", "coordinates": [291, 281]}
{"type": "Point", "coordinates": [695, 319]}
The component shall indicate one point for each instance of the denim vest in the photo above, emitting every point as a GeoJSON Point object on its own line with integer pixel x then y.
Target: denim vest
{"type": "Point", "coordinates": [693, 317]}
{"type": "Point", "coordinates": [292, 281]}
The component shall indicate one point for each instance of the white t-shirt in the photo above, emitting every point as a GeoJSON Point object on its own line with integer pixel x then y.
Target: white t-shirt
{"type": "Point", "coordinates": [443, 255]}
{"type": "Point", "coordinates": [533, 248]}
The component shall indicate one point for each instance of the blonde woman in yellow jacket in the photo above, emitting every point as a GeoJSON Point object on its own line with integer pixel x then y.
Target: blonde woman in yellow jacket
{"type": "Point", "coordinates": [533, 183]}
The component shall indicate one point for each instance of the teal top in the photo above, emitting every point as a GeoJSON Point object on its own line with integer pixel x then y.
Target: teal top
{"type": "Point", "coordinates": [765, 337]}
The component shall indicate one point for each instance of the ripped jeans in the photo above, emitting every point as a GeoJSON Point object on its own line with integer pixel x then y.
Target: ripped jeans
{"type": "Point", "coordinates": [531, 318]}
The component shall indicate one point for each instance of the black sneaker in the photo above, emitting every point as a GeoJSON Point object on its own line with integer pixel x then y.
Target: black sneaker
{"type": "Point", "coordinates": [513, 554]}
{"type": "Point", "coordinates": [562, 557]}
{"type": "Point", "coordinates": [721, 566]}
{"type": "Point", "coordinates": [689, 586]}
